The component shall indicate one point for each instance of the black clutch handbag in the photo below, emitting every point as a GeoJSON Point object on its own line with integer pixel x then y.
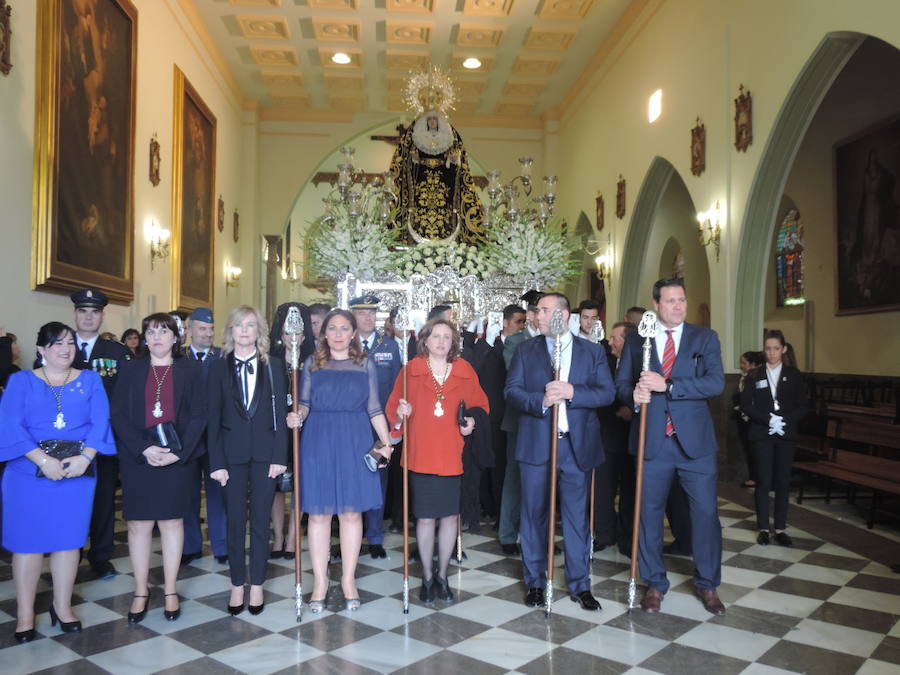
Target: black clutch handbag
{"type": "Point", "coordinates": [375, 460]}
{"type": "Point", "coordinates": [63, 450]}
{"type": "Point", "coordinates": [165, 436]}
{"type": "Point", "coordinates": [461, 414]}
{"type": "Point", "coordinates": [285, 482]}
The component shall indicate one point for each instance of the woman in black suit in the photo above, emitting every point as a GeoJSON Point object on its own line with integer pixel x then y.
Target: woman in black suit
{"type": "Point", "coordinates": [774, 398]}
{"type": "Point", "coordinates": [247, 441]}
{"type": "Point", "coordinates": [159, 394]}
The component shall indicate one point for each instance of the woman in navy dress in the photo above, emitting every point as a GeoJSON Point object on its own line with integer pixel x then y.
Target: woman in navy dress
{"type": "Point", "coordinates": [157, 480]}
{"type": "Point", "coordinates": [340, 406]}
{"type": "Point", "coordinates": [50, 514]}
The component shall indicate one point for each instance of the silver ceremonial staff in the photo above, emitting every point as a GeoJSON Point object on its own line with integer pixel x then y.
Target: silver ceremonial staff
{"type": "Point", "coordinates": [403, 324]}
{"type": "Point", "coordinates": [293, 326]}
{"type": "Point", "coordinates": [596, 336]}
{"type": "Point", "coordinates": [647, 329]}
{"type": "Point", "coordinates": [557, 330]}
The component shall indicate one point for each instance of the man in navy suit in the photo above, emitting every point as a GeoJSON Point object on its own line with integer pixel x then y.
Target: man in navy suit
{"type": "Point", "coordinates": [383, 350]}
{"type": "Point", "coordinates": [685, 371]}
{"type": "Point", "coordinates": [584, 386]}
{"type": "Point", "coordinates": [202, 331]}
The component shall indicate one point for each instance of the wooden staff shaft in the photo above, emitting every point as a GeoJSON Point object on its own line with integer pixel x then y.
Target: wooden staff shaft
{"type": "Point", "coordinates": [295, 502]}
{"type": "Point", "coordinates": [406, 447]}
{"type": "Point", "coordinates": [638, 490]}
{"type": "Point", "coordinates": [593, 498]}
{"type": "Point", "coordinates": [554, 451]}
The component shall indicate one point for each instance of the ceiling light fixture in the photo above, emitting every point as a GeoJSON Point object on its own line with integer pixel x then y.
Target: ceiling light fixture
{"type": "Point", "coordinates": [340, 58]}
{"type": "Point", "coordinates": [472, 63]}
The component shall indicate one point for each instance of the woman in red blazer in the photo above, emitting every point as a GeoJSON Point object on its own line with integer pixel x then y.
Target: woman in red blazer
{"type": "Point", "coordinates": [438, 381]}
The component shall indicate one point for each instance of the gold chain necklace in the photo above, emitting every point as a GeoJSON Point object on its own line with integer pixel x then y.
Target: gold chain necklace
{"type": "Point", "coordinates": [56, 390]}
{"type": "Point", "coordinates": [157, 407]}
{"type": "Point", "coordinates": [438, 387]}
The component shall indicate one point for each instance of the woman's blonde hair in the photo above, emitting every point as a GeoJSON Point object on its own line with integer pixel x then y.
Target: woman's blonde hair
{"type": "Point", "coordinates": [236, 316]}
{"type": "Point", "coordinates": [323, 351]}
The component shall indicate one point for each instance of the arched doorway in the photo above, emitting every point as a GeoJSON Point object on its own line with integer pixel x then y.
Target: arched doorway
{"type": "Point", "coordinates": [765, 195]}
{"type": "Point", "coordinates": [662, 242]}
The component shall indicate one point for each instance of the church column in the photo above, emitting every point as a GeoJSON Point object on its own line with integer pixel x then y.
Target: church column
{"type": "Point", "coordinates": [249, 213]}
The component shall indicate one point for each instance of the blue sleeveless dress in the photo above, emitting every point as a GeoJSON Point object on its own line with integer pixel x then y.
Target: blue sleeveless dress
{"type": "Point", "coordinates": [342, 398]}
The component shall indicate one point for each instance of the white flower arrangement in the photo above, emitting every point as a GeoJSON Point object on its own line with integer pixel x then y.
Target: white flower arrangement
{"type": "Point", "coordinates": [428, 257]}
{"type": "Point", "coordinates": [524, 248]}
{"type": "Point", "coordinates": [340, 244]}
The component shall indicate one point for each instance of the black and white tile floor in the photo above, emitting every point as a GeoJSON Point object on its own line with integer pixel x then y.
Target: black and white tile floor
{"type": "Point", "coordinates": [814, 608]}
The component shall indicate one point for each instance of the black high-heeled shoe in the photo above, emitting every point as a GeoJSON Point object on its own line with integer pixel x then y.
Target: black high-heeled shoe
{"type": "Point", "coordinates": [442, 589]}
{"type": "Point", "coordinates": [257, 609]}
{"type": "Point", "coordinates": [234, 610]}
{"type": "Point", "coordinates": [65, 626]}
{"type": "Point", "coordinates": [175, 613]}
{"type": "Point", "coordinates": [23, 636]}
{"type": "Point", "coordinates": [137, 617]}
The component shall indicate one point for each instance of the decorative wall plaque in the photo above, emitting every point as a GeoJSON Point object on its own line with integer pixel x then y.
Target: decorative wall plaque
{"type": "Point", "coordinates": [620, 197]}
{"type": "Point", "coordinates": [237, 226]}
{"type": "Point", "coordinates": [220, 215]}
{"type": "Point", "coordinates": [600, 211]}
{"type": "Point", "coordinates": [743, 120]}
{"type": "Point", "coordinates": [5, 37]}
{"type": "Point", "coordinates": [698, 148]}
{"type": "Point", "coordinates": [154, 161]}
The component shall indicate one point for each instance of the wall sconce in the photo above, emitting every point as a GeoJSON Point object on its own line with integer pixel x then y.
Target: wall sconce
{"type": "Point", "coordinates": [159, 242]}
{"type": "Point", "coordinates": [232, 276]}
{"type": "Point", "coordinates": [603, 258]}
{"type": "Point", "coordinates": [710, 227]}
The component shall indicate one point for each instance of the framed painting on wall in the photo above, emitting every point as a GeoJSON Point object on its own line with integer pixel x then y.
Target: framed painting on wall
{"type": "Point", "coordinates": [867, 214]}
{"type": "Point", "coordinates": [194, 209]}
{"type": "Point", "coordinates": [83, 207]}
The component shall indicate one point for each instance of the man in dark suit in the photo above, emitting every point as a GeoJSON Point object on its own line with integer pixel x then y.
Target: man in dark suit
{"type": "Point", "coordinates": [584, 386]}
{"type": "Point", "coordinates": [383, 350]}
{"type": "Point", "coordinates": [103, 357]}
{"type": "Point", "coordinates": [201, 330]}
{"type": "Point", "coordinates": [685, 371]}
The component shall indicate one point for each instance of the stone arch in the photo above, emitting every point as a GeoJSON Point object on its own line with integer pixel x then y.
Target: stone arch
{"type": "Point", "coordinates": [764, 198]}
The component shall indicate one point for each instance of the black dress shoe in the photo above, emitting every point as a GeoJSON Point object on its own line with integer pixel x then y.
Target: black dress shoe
{"type": "Point", "coordinates": [762, 538]}
{"type": "Point", "coordinates": [66, 626]}
{"type": "Point", "coordinates": [377, 551]}
{"type": "Point", "coordinates": [587, 601]}
{"type": "Point", "coordinates": [288, 555]}
{"type": "Point", "coordinates": [103, 569]}
{"type": "Point", "coordinates": [175, 613]}
{"type": "Point", "coordinates": [276, 553]}
{"type": "Point", "coordinates": [256, 609]}
{"type": "Point", "coordinates": [234, 610]}
{"type": "Point", "coordinates": [599, 546]}
{"type": "Point", "coordinates": [188, 558]}
{"type": "Point", "coordinates": [23, 636]}
{"type": "Point", "coordinates": [137, 617]}
{"type": "Point", "coordinates": [783, 539]}
{"type": "Point", "coordinates": [535, 597]}
{"type": "Point", "coordinates": [510, 549]}
{"type": "Point", "coordinates": [426, 591]}
{"type": "Point", "coordinates": [222, 559]}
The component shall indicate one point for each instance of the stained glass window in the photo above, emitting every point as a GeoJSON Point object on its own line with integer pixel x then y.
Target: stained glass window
{"type": "Point", "coordinates": [789, 261]}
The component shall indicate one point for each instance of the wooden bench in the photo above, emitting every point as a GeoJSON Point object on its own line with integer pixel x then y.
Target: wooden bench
{"type": "Point", "coordinates": [874, 463]}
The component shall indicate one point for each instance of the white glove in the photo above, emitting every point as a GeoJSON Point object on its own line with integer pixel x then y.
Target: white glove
{"type": "Point", "coordinates": [776, 424]}
{"type": "Point", "coordinates": [493, 332]}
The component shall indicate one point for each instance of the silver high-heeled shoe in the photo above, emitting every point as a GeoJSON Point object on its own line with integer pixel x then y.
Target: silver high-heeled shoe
{"type": "Point", "coordinates": [353, 604]}
{"type": "Point", "coordinates": [316, 606]}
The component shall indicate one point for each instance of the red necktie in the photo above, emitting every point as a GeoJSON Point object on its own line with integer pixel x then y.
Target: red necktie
{"type": "Point", "coordinates": [667, 364]}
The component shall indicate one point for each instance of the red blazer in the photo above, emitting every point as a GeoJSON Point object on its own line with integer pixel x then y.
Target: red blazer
{"type": "Point", "coordinates": [435, 445]}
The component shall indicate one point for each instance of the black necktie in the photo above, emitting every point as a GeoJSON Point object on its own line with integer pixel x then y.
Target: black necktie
{"type": "Point", "coordinates": [201, 355]}
{"type": "Point", "coordinates": [84, 352]}
{"type": "Point", "coordinates": [245, 368]}
{"type": "Point", "coordinates": [366, 347]}
{"type": "Point", "coordinates": [498, 343]}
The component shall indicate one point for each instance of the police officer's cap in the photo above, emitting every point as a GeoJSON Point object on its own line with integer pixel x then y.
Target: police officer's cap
{"type": "Point", "coordinates": [368, 301]}
{"type": "Point", "coordinates": [89, 297]}
{"type": "Point", "coordinates": [203, 314]}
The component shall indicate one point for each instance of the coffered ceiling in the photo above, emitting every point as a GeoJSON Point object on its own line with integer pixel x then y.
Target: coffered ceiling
{"type": "Point", "coordinates": [279, 51]}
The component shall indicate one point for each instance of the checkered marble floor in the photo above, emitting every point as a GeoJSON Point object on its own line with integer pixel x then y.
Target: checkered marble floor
{"type": "Point", "coordinates": [813, 608]}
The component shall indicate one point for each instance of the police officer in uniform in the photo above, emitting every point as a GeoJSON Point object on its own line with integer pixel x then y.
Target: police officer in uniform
{"type": "Point", "coordinates": [202, 331]}
{"type": "Point", "coordinates": [103, 357]}
{"type": "Point", "coordinates": [383, 350]}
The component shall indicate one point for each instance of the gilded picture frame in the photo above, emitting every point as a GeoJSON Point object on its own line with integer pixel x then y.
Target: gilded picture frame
{"type": "Point", "coordinates": [83, 174]}
{"type": "Point", "coordinates": [743, 120]}
{"type": "Point", "coordinates": [600, 210]}
{"type": "Point", "coordinates": [620, 198]}
{"type": "Point", "coordinates": [5, 38]}
{"type": "Point", "coordinates": [193, 198]}
{"type": "Point", "coordinates": [698, 148]}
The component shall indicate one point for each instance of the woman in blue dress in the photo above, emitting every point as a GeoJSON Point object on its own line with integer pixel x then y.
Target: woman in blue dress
{"type": "Point", "coordinates": [51, 513]}
{"type": "Point", "coordinates": [340, 406]}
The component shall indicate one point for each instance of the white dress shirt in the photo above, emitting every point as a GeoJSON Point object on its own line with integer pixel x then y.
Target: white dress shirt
{"type": "Point", "coordinates": [565, 365]}
{"type": "Point", "coordinates": [661, 338]}
{"type": "Point", "coordinates": [90, 344]}
{"type": "Point", "coordinates": [251, 377]}
{"type": "Point", "coordinates": [773, 375]}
